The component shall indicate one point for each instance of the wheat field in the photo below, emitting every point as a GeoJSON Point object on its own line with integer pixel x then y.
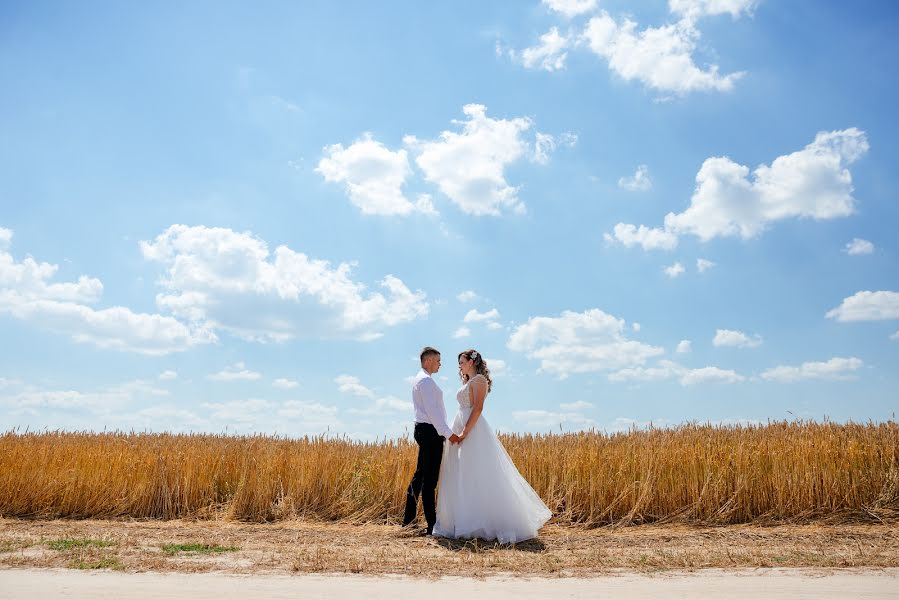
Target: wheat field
{"type": "Point", "coordinates": [779, 472]}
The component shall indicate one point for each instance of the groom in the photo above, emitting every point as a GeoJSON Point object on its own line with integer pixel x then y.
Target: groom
{"type": "Point", "coordinates": [430, 431]}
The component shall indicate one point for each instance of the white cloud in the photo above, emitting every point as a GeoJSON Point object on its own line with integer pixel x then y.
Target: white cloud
{"type": "Point", "coordinates": [639, 182]}
{"type": "Point", "coordinates": [425, 205]}
{"type": "Point", "coordinates": [579, 343]}
{"type": "Point", "coordinates": [27, 293]}
{"type": "Point", "coordinates": [570, 8]}
{"type": "Point", "coordinates": [545, 144]}
{"type": "Point", "coordinates": [115, 328]}
{"type": "Point", "coordinates": [374, 176]}
{"type": "Point", "coordinates": [256, 414]}
{"type": "Point", "coordinates": [223, 279]}
{"type": "Point", "coordinates": [694, 9]}
{"type": "Point", "coordinates": [348, 384]}
{"type": "Point", "coordinates": [545, 418]}
{"type": "Point", "coordinates": [635, 326]}
{"type": "Point", "coordinates": [867, 306]}
{"type": "Point", "coordinates": [810, 183]}
{"type": "Point", "coordinates": [392, 403]}
{"type": "Point", "coordinates": [684, 346]}
{"type": "Point", "coordinates": [236, 372]}
{"type": "Point", "coordinates": [285, 384]}
{"type": "Point", "coordinates": [549, 54]}
{"type": "Point", "coordinates": [168, 375]}
{"type": "Point", "coordinates": [473, 316]}
{"type": "Point", "coordinates": [574, 406]}
{"type": "Point", "coordinates": [703, 265]}
{"type": "Point", "coordinates": [674, 270]}
{"type": "Point", "coordinates": [667, 369]}
{"type": "Point", "coordinates": [467, 296]}
{"type": "Point", "coordinates": [895, 336]}
{"type": "Point", "coordinates": [835, 368]}
{"type": "Point", "coordinates": [859, 246]}
{"type": "Point", "coordinates": [710, 375]}
{"type": "Point", "coordinates": [496, 365]}
{"type": "Point", "coordinates": [468, 167]}
{"type": "Point", "coordinates": [33, 399]}
{"type": "Point", "coordinates": [659, 57]}
{"type": "Point", "coordinates": [649, 239]}
{"type": "Point", "coordinates": [493, 325]}
{"type": "Point", "coordinates": [730, 337]}
{"type": "Point", "coordinates": [462, 332]}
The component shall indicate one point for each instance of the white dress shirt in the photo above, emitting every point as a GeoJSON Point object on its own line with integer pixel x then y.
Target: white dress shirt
{"type": "Point", "coordinates": [427, 398]}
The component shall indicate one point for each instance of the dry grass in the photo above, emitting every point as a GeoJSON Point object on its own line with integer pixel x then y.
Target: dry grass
{"type": "Point", "coordinates": [302, 547]}
{"type": "Point", "coordinates": [701, 474]}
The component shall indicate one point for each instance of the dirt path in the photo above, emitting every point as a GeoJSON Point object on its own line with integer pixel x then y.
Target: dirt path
{"type": "Point", "coordinates": [294, 547]}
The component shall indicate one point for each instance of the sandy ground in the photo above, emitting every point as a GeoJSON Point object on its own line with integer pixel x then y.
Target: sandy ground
{"type": "Point", "coordinates": [770, 584]}
{"type": "Point", "coordinates": [297, 547]}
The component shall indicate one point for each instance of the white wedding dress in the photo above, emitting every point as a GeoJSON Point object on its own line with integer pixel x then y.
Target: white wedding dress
{"type": "Point", "coordinates": [482, 494]}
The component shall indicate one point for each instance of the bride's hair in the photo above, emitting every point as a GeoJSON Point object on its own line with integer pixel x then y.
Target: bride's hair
{"type": "Point", "coordinates": [480, 367]}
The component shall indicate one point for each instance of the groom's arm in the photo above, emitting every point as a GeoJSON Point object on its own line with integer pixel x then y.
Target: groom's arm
{"type": "Point", "coordinates": [434, 408]}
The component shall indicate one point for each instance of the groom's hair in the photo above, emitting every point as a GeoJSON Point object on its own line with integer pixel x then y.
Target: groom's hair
{"type": "Point", "coordinates": [428, 351]}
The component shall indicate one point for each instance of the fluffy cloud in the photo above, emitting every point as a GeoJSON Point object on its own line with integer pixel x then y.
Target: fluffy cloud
{"type": "Point", "coordinates": [567, 417]}
{"type": "Point", "coordinates": [468, 167]}
{"type": "Point", "coordinates": [579, 343]}
{"type": "Point", "coordinates": [811, 183]}
{"type": "Point", "coordinates": [168, 375]}
{"type": "Point", "coordinates": [570, 8]}
{"type": "Point", "coordinates": [473, 316]}
{"type": "Point", "coordinates": [374, 176]}
{"type": "Point", "coordinates": [462, 332]}
{"type": "Point", "coordinates": [639, 182]}
{"type": "Point", "coordinates": [27, 293]}
{"type": "Point", "coordinates": [579, 405]}
{"type": "Point", "coordinates": [684, 346]}
{"type": "Point", "coordinates": [545, 144]}
{"type": "Point", "coordinates": [694, 9]}
{"type": "Point", "coordinates": [349, 384]}
{"type": "Point", "coordinates": [256, 414]}
{"type": "Point", "coordinates": [658, 57]}
{"type": "Point", "coordinates": [236, 372]}
{"type": "Point", "coordinates": [496, 365]}
{"type": "Point", "coordinates": [703, 265]}
{"type": "Point", "coordinates": [729, 337]}
{"type": "Point", "coordinates": [667, 369]}
{"type": "Point", "coordinates": [835, 368]}
{"type": "Point", "coordinates": [467, 296]}
{"type": "Point", "coordinates": [384, 405]}
{"type": "Point", "coordinates": [674, 270]}
{"type": "Point", "coordinates": [649, 239]}
{"type": "Point", "coordinates": [859, 246]}
{"type": "Point", "coordinates": [549, 54]}
{"type": "Point", "coordinates": [867, 306]}
{"type": "Point", "coordinates": [230, 281]}
{"type": "Point", "coordinates": [35, 400]}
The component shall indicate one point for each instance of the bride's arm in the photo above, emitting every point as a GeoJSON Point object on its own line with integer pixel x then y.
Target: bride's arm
{"type": "Point", "coordinates": [477, 389]}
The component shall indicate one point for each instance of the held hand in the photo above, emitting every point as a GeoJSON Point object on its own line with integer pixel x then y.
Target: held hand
{"type": "Point", "coordinates": [455, 439]}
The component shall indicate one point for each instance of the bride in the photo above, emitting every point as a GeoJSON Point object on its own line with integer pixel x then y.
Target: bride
{"type": "Point", "coordinates": [482, 494]}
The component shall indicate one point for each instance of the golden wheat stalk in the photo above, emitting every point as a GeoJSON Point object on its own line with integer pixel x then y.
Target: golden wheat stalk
{"type": "Point", "coordinates": [782, 471]}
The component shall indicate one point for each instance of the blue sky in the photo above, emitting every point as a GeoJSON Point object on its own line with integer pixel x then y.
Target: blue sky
{"type": "Point", "coordinates": [225, 217]}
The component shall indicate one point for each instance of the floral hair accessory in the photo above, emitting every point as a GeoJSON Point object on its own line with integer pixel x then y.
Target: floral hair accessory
{"type": "Point", "coordinates": [474, 355]}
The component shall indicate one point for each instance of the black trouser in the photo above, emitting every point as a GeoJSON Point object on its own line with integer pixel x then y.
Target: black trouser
{"type": "Point", "coordinates": [427, 470]}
